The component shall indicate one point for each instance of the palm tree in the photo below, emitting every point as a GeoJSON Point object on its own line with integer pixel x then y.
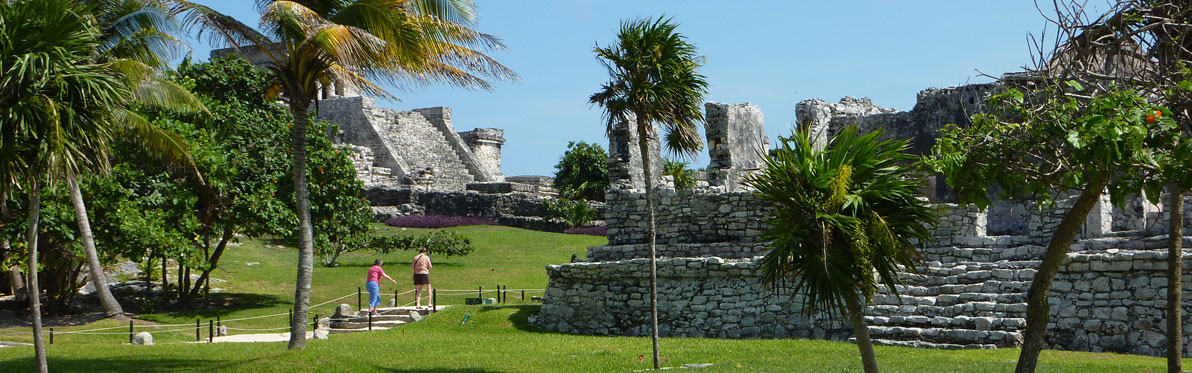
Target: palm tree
{"type": "Point", "coordinates": [653, 81]}
{"type": "Point", "coordinates": [842, 214]}
{"type": "Point", "coordinates": [312, 43]}
{"type": "Point", "coordinates": [133, 40]}
{"type": "Point", "coordinates": [56, 107]}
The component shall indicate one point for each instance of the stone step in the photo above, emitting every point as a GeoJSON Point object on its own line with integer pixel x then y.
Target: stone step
{"type": "Point", "coordinates": [909, 298]}
{"type": "Point", "coordinates": [990, 286]}
{"type": "Point", "coordinates": [958, 336]}
{"type": "Point", "coordinates": [949, 254]}
{"type": "Point", "coordinates": [922, 344]}
{"type": "Point", "coordinates": [963, 322]}
{"type": "Point", "coordinates": [356, 330]}
{"type": "Point", "coordinates": [364, 324]}
{"type": "Point", "coordinates": [988, 309]}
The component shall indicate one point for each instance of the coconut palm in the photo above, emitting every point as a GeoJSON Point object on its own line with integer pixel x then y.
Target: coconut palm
{"type": "Point", "coordinates": [363, 43]}
{"type": "Point", "coordinates": [57, 108]}
{"type": "Point", "coordinates": [134, 42]}
{"type": "Point", "coordinates": [653, 80]}
{"type": "Point", "coordinates": [841, 215]}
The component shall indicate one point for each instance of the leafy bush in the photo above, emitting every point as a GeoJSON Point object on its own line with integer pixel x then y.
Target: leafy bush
{"type": "Point", "coordinates": [591, 230]}
{"type": "Point", "coordinates": [684, 177]}
{"type": "Point", "coordinates": [582, 172]}
{"type": "Point", "coordinates": [435, 221]}
{"type": "Point", "coordinates": [574, 213]}
{"type": "Point", "coordinates": [440, 242]}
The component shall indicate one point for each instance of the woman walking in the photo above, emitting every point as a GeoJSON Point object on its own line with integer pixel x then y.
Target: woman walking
{"type": "Point", "coordinates": [421, 267]}
{"type": "Point", "coordinates": [372, 283]}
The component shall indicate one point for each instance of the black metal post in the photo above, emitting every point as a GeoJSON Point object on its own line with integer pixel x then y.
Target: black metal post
{"type": "Point", "coordinates": [523, 295]}
{"type": "Point", "coordinates": [480, 292]}
{"type": "Point", "coordinates": [51, 335]}
{"type": "Point", "coordinates": [434, 300]}
{"type": "Point", "coordinates": [395, 297]}
{"type": "Point", "coordinates": [359, 305]}
{"type": "Point", "coordinates": [197, 330]}
{"type": "Point", "coordinates": [129, 331]}
{"type": "Point", "coordinates": [370, 321]}
{"type": "Point", "coordinates": [210, 331]}
{"type": "Point", "coordinates": [291, 316]}
{"type": "Point", "coordinates": [316, 324]}
{"type": "Point", "coordinates": [218, 322]}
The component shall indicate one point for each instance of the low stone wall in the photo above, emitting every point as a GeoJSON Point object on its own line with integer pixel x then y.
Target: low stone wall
{"type": "Point", "coordinates": [729, 250]}
{"type": "Point", "coordinates": [523, 210]}
{"type": "Point", "coordinates": [687, 216]}
{"type": "Point", "coordinates": [1100, 302]}
{"type": "Point", "coordinates": [1115, 301]}
{"type": "Point", "coordinates": [704, 297]}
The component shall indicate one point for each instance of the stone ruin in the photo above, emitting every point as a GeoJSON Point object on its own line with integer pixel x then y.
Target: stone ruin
{"type": "Point", "coordinates": [970, 292]}
{"type": "Point", "coordinates": [417, 149]}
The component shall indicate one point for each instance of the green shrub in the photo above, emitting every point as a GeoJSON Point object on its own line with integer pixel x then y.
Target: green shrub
{"type": "Point", "coordinates": [684, 177]}
{"type": "Point", "coordinates": [582, 172]}
{"type": "Point", "coordinates": [574, 213]}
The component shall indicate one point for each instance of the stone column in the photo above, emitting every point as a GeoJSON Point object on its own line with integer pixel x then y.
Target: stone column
{"type": "Point", "coordinates": [814, 114]}
{"type": "Point", "coordinates": [737, 143]}
{"type": "Point", "coordinates": [486, 148]}
{"type": "Point", "coordinates": [1100, 219]}
{"type": "Point", "coordinates": [625, 161]}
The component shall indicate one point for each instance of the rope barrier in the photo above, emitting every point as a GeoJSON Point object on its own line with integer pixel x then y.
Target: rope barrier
{"type": "Point", "coordinates": [325, 303]}
{"type": "Point", "coordinates": [258, 329]}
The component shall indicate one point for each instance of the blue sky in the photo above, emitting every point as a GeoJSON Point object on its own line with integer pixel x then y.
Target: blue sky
{"type": "Point", "coordinates": [770, 53]}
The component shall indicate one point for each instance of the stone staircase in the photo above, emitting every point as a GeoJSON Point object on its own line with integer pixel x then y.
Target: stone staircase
{"type": "Point", "coordinates": [960, 298]}
{"type": "Point", "coordinates": [388, 318]}
{"type": "Point", "coordinates": [423, 146]}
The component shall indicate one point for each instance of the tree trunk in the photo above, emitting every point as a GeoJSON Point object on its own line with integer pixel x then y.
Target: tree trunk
{"type": "Point", "coordinates": [856, 315]}
{"type": "Point", "coordinates": [1175, 264]}
{"type": "Point", "coordinates": [1038, 312]}
{"type": "Point", "coordinates": [643, 142]}
{"type": "Point", "coordinates": [165, 283]}
{"type": "Point", "coordinates": [39, 345]}
{"type": "Point", "coordinates": [111, 308]}
{"type": "Point", "coordinates": [213, 262]}
{"type": "Point", "coordinates": [298, 108]}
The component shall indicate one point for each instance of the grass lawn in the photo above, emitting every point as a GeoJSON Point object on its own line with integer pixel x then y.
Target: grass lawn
{"type": "Point", "coordinates": [495, 338]}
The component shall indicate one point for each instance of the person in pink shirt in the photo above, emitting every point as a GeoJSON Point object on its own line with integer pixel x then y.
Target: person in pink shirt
{"type": "Point", "coordinates": [421, 267]}
{"type": "Point", "coordinates": [372, 283]}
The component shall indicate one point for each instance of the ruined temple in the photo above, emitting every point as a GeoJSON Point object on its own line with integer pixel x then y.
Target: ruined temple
{"type": "Point", "coordinates": [970, 291]}
{"type": "Point", "coordinates": [404, 149]}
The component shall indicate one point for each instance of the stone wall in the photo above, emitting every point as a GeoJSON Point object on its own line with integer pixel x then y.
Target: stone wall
{"type": "Point", "coordinates": [688, 216]}
{"type": "Point", "coordinates": [485, 144]}
{"type": "Point", "coordinates": [737, 143]}
{"type": "Point", "coordinates": [515, 209]}
{"type": "Point", "coordinates": [1110, 301]}
{"type": "Point", "coordinates": [625, 160]}
{"type": "Point", "coordinates": [704, 297]}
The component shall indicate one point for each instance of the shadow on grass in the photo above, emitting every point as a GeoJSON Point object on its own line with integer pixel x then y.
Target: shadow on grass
{"type": "Point", "coordinates": [521, 318]}
{"type": "Point", "coordinates": [385, 369]}
{"type": "Point", "coordinates": [222, 304]}
{"type": "Point", "coordinates": [66, 364]}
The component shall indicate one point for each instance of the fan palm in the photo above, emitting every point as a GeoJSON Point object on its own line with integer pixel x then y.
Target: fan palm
{"type": "Point", "coordinates": [653, 81]}
{"type": "Point", "coordinates": [363, 43]}
{"type": "Point", "coordinates": [841, 215]}
{"type": "Point", "coordinates": [57, 108]}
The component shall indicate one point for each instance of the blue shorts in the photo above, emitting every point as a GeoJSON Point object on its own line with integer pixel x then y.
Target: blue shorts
{"type": "Point", "coordinates": [374, 293]}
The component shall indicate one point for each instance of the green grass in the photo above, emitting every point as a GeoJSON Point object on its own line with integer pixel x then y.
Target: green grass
{"type": "Point", "coordinates": [496, 338]}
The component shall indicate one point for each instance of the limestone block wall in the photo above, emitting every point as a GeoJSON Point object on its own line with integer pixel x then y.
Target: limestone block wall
{"type": "Point", "coordinates": [686, 216]}
{"type": "Point", "coordinates": [737, 143]}
{"type": "Point", "coordinates": [485, 144]}
{"type": "Point", "coordinates": [697, 297]}
{"type": "Point", "coordinates": [1115, 301]}
{"type": "Point", "coordinates": [625, 159]}
{"type": "Point", "coordinates": [1100, 302]}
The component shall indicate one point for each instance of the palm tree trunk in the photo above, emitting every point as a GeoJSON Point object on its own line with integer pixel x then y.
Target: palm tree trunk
{"type": "Point", "coordinates": [39, 345]}
{"type": "Point", "coordinates": [1038, 312]}
{"type": "Point", "coordinates": [643, 141]}
{"type": "Point", "coordinates": [15, 280]}
{"type": "Point", "coordinates": [298, 109]}
{"type": "Point", "coordinates": [856, 315]}
{"type": "Point", "coordinates": [1175, 270]}
{"type": "Point", "coordinates": [111, 308]}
